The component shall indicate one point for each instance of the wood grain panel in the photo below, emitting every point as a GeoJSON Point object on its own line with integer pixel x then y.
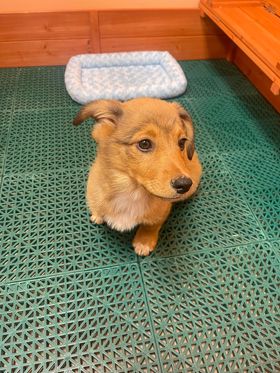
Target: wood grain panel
{"type": "Point", "coordinates": [189, 47]}
{"type": "Point", "coordinates": [257, 42]}
{"type": "Point", "coordinates": [40, 53]}
{"type": "Point", "coordinates": [263, 18]}
{"type": "Point", "coordinates": [261, 41]}
{"type": "Point", "coordinates": [94, 32]}
{"type": "Point", "coordinates": [154, 24]}
{"type": "Point", "coordinates": [51, 38]}
{"type": "Point", "coordinates": [257, 77]}
{"type": "Point", "coordinates": [43, 26]}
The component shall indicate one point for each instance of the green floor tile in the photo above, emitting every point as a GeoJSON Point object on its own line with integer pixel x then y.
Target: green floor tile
{"type": "Point", "coordinates": [45, 228]}
{"type": "Point", "coordinates": [8, 83]}
{"type": "Point", "coordinates": [202, 87]}
{"type": "Point", "coordinates": [204, 141]}
{"type": "Point", "coordinates": [73, 295]}
{"type": "Point", "coordinates": [88, 322]}
{"type": "Point", "coordinates": [209, 221]}
{"type": "Point", "coordinates": [265, 203]}
{"type": "Point", "coordinates": [258, 168]}
{"type": "Point", "coordinates": [210, 110]}
{"type": "Point", "coordinates": [216, 311]}
{"type": "Point", "coordinates": [45, 140]}
{"type": "Point", "coordinates": [209, 69]}
{"type": "Point", "coordinates": [42, 88]}
{"type": "Point", "coordinates": [5, 122]}
{"type": "Point", "coordinates": [242, 136]}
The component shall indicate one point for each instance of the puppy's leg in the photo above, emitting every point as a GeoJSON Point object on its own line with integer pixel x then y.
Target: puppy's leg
{"type": "Point", "coordinates": [95, 194]}
{"type": "Point", "coordinates": [96, 219]}
{"type": "Point", "coordinates": [146, 237]}
{"type": "Point", "coordinates": [96, 216]}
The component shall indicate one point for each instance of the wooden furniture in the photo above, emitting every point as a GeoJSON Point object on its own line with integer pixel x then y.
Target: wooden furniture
{"type": "Point", "coordinates": [254, 27]}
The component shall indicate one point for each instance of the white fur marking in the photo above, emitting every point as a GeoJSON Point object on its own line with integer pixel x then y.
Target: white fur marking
{"type": "Point", "coordinates": [128, 210]}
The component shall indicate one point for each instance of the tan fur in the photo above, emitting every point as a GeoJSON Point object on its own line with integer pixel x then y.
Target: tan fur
{"type": "Point", "coordinates": [128, 187]}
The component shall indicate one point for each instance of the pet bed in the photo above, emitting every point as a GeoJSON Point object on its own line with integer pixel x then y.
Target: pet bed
{"type": "Point", "coordinates": [123, 76]}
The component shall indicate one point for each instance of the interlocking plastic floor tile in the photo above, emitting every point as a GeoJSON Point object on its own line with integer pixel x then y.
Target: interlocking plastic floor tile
{"type": "Point", "coordinates": [8, 83]}
{"type": "Point", "coordinates": [237, 141]}
{"type": "Point", "coordinates": [45, 228]}
{"type": "Point", "coordinates": [204, 142]}
{"type": "Point", "coordinates": [237, 85]}
{"type": "Point", "coordinates": [211, 220]}
{"type": "Point", "coordinates": [209, 69]}
{"type": "Point", "coordinates": [5, 121]}
{"type": "Point", "coordinates": [209, 79]}
{"type": "Point", "coordinates": [265, 203]}
{"type": "Point", "coordinates": [258, 168]}
{"type": "Point", "coordinates": [209, 86]}
{"type": "Point", "coordinates": [46, 140]}
{"type": "Point", "coordinates": [72, 296]}
{"type": "Point", "coordinates": [42, 87]}
{"type": "Point", "coordinates": [216, 311]}
{"type": "Point", "coordinates": [218, 216]}
{"type": "Point", "coordinates": [202, 87]}
{"type": "Point", "coordinates": [226, 108]}
{"type": "Point", "coordinates": [215, 174]}
{"type": "Point", "coordinates": [94, 321]}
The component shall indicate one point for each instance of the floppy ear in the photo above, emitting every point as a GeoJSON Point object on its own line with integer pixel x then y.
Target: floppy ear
{"type": "Point", "coordinates": [188, 125]}
{"type": "Point", "coordinates": [100, 110]}
{"type": "Point", "coordinates": [105, 112]}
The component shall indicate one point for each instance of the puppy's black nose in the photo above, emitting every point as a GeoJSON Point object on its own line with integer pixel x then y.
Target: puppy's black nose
{"type": "Point", "coordinates": [182, 184]}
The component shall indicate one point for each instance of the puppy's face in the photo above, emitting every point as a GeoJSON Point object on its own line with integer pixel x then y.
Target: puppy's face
{"type": "Point", "coordinates": [148, 139]}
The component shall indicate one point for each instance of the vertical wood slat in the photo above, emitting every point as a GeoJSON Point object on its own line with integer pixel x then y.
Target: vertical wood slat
{"type": "Point", "coordinates": [95, 32]}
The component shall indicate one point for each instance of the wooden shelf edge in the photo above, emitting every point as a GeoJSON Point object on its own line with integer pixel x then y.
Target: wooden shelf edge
{"type": "Point", "coordinates": [275, 79]}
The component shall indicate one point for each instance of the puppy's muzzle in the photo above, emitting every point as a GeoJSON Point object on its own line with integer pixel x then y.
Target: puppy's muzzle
{"type": "Point", "coordinates": [181, 184]}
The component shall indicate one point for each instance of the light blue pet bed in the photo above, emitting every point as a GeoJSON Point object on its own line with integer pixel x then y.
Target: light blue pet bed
{"type": "Point", "coordinates": [123, 76]}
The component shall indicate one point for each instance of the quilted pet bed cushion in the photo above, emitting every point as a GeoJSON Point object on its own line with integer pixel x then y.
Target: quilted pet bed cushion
{"type": "Point", "coordinates": [123, 76]}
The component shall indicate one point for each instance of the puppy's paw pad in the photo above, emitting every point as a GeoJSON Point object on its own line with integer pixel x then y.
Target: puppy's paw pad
{"type": "Point", "coordinates": [142, 250]}
{"type": "Point", "coordinates": [96, 219]}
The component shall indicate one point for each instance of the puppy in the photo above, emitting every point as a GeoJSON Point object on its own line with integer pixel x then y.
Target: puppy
{"type": "Point", "coordinates": [145, 161]}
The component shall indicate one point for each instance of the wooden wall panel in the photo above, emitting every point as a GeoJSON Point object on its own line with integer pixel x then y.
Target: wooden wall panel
{"type": "Point", "coordinates": [256, 76]}
{"type": "Point", "coordinates": [154, 23]}
{"type": "Point", "coordinates": [44, 26]}
{"type": "Point", "coordinates": [51, 38]}
{"type": "Point", "coordinates": [182, 32]}
{"type": "Point", "coordinates": [188, 47]}
{"type": "Point", "coordinates": [41, 52]}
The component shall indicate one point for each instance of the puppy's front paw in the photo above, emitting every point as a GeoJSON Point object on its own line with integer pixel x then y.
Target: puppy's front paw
{"type": "Point", "coordinates": [96, 219]}
{"type": "Point", "coordinates": [145, 239]}
{"type": "Point", "coordinates": [142, 249]}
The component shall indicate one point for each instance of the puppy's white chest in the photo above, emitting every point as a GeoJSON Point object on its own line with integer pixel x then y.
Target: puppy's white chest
{"type": "Point", "coordinates": [127, 210]}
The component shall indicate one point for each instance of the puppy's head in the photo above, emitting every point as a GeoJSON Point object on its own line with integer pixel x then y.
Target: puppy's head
{"type": "Point", "coordinates": [148, 139]}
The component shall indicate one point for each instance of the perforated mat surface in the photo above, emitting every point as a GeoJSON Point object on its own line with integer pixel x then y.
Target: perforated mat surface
{"type": "Point", "coordinates": [75, 298]}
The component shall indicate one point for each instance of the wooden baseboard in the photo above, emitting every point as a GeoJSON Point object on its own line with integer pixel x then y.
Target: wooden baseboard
{"type": "Point", "coordinates": [181, 47]}
{"type": "Point", "coordinates": [257, 77]}
{"type": "Point", "coordinates": [36, 39]}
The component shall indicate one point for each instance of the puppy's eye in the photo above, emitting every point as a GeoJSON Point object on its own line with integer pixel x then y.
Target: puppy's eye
{"type": "Point", "coordinates": [182, 143]}
{"type": "Point", "coordinates": [145, 145]}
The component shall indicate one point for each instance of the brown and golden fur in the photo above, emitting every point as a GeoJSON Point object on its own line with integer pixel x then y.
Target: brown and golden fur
{"type": "Point", "coordinates": [128, 186]}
